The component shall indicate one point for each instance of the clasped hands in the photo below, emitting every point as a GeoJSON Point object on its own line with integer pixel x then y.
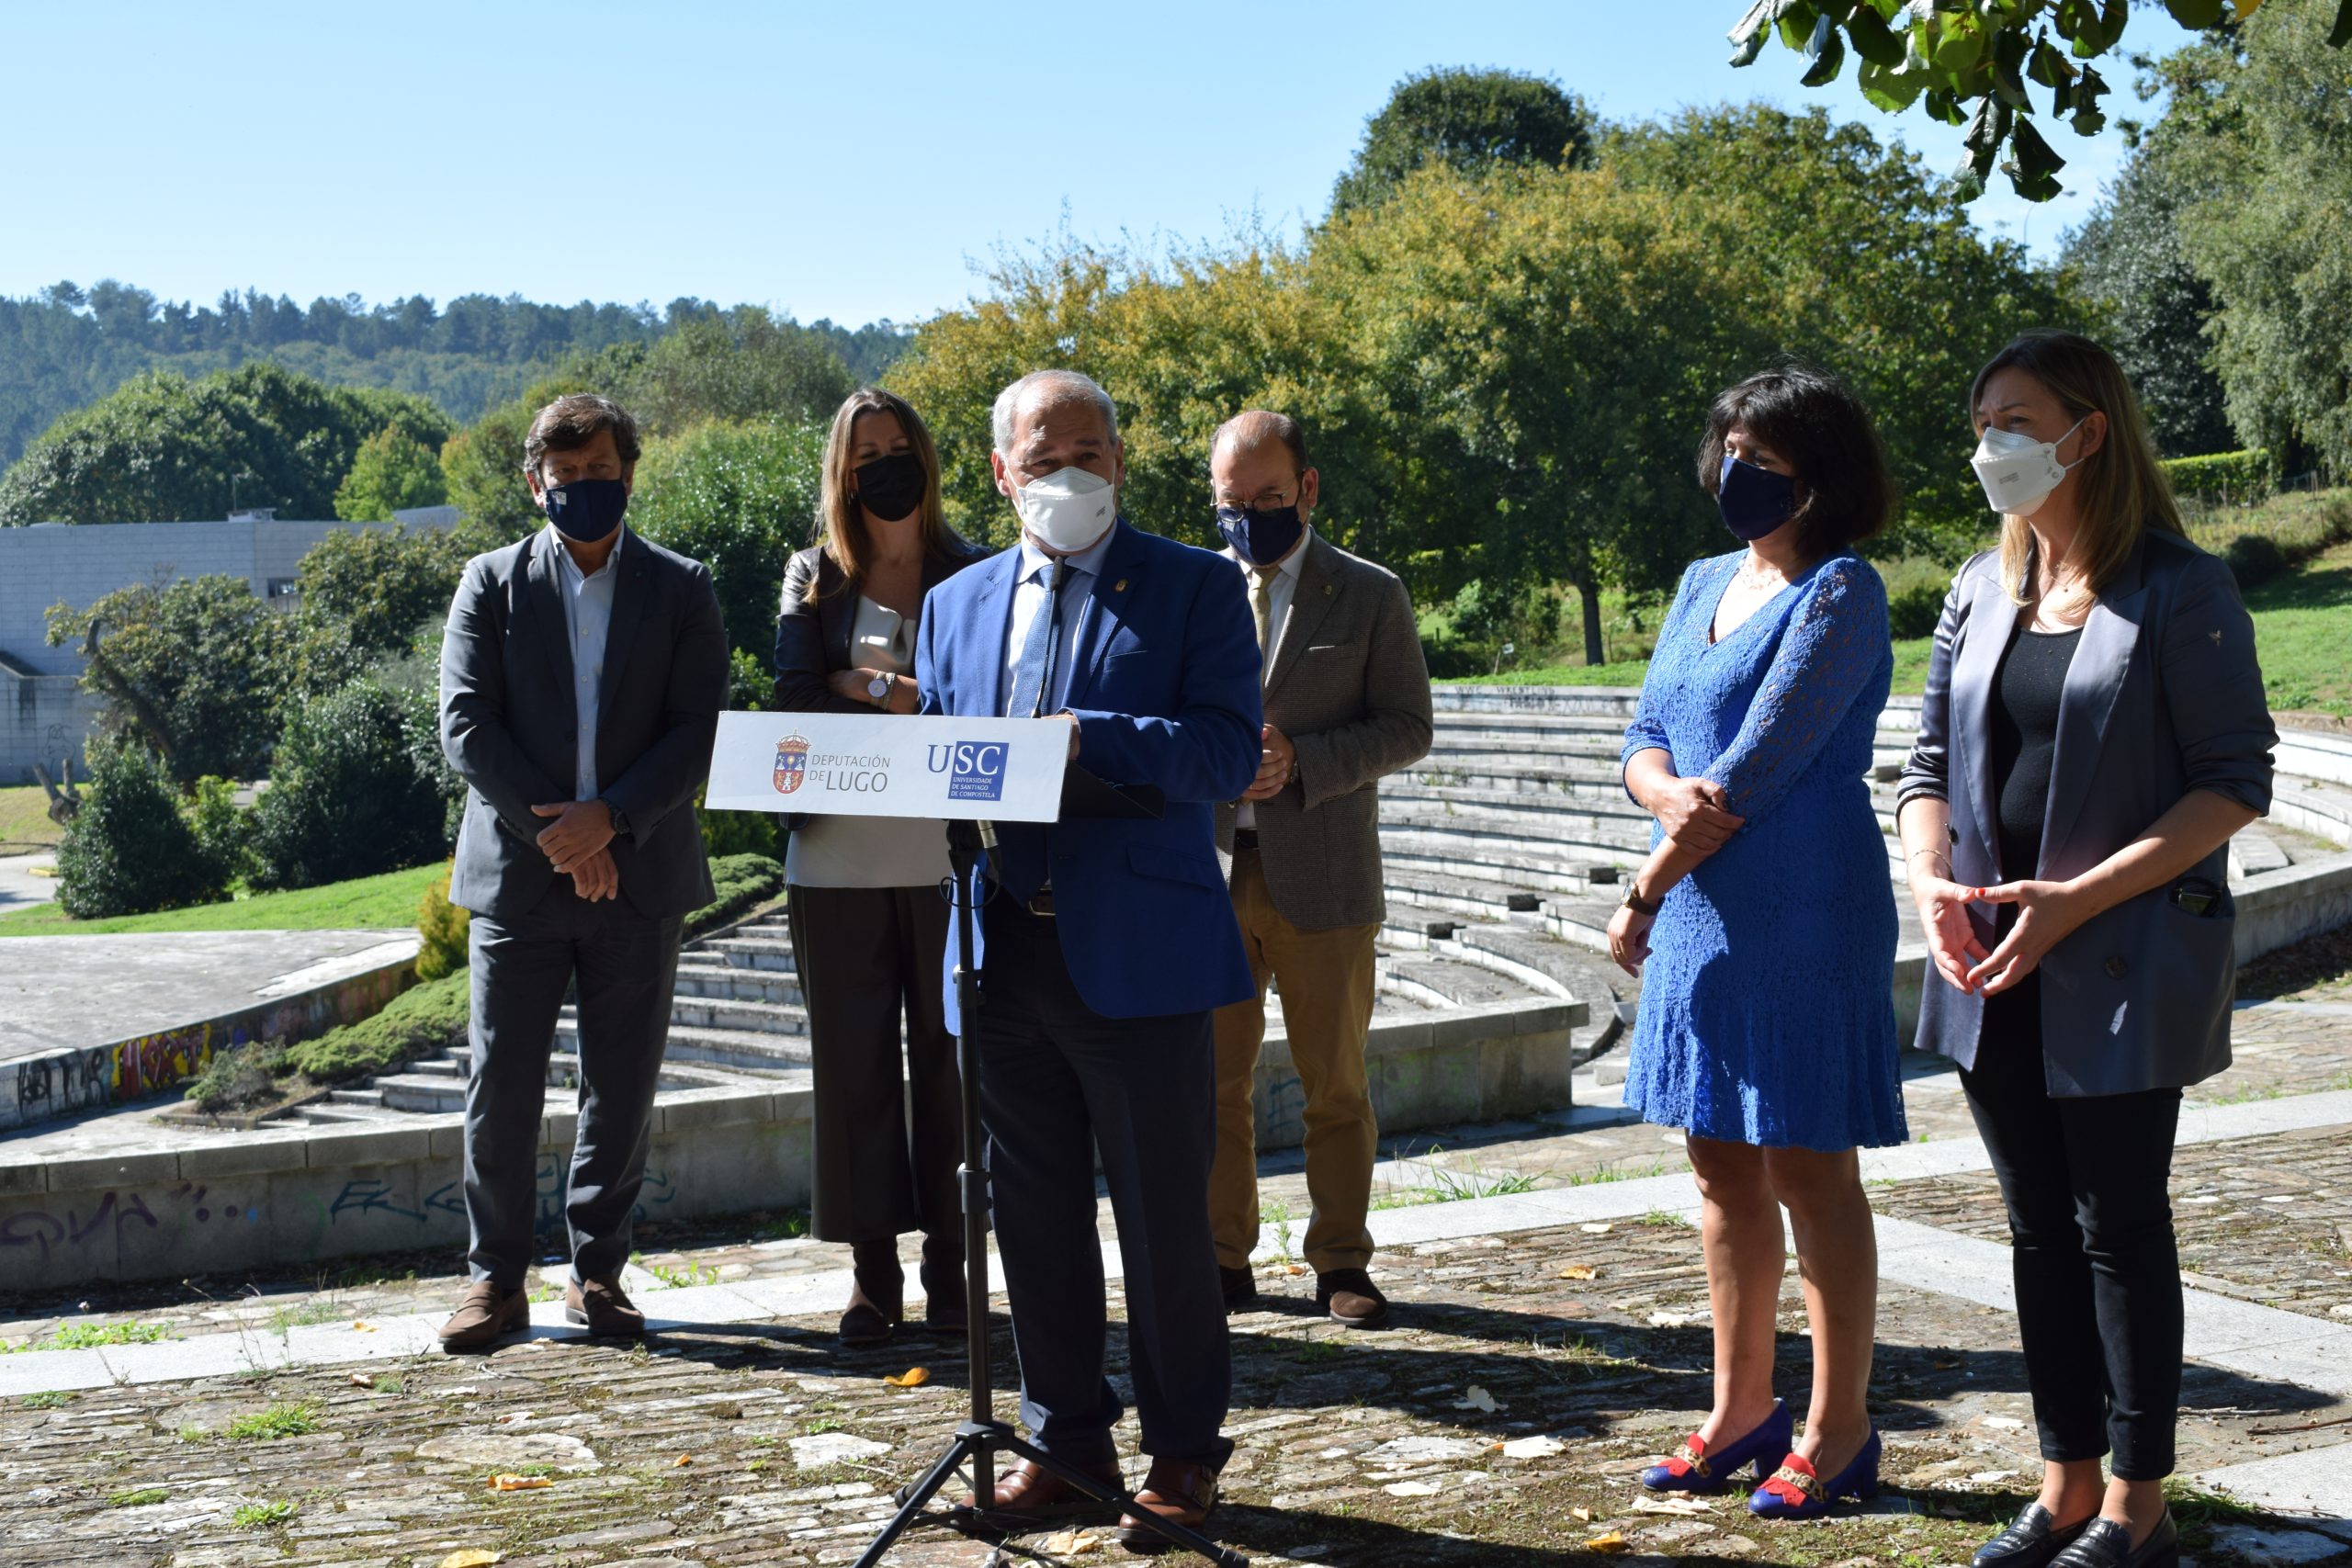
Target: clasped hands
{"type": "Point", "coordinates": [577, 843]}
{"type": "Point", "coordinates": [2047, 913]}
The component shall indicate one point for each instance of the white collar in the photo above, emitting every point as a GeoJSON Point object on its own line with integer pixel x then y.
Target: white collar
{"type": "Point", "coordinates": [1088, 560]}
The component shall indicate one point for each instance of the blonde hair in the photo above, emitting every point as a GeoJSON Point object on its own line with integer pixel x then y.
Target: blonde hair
{"type": "Point", "coordinates": [841, 521]}
{"type": "Point", "coordinates": [2120, 491]}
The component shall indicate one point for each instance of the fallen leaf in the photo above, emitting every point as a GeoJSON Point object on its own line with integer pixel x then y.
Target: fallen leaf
{"type": "Point", "coordinates": [1294, 1269]}
{"type": "Point", "coordinates": [1580, 1271]}
{"type": "Point", "coordinates": [361, 1379]}
{"type": "Point", "coordinates": [1945, 1366]}
{"type": "Point", "coordinates": [1582, 1516]}
{"type": "Point", "coordinates": [682, 1461]}
{"type": "Point", "coordinates": [1596, 1230]}
{"type": "Point", "coordinates": [1682, 1506]}
{"type": "Point", "coordinates": [471, 1557]}
{"type": "Point", "coordinates": [519, 1483]}
{"type": "Point", "coordinates": [1533, 1448]}
{"type": "Point", "coordinates": [913, 1377]}
{"type": "Point", "coordinates": [1069, 1543]}
{"type": "Point", "coordinates": [1476, 1398]}
{"type": "Point", "coordinates": [363, 1327]}
{"type": "Point", "coordinates": [1611, 1540]}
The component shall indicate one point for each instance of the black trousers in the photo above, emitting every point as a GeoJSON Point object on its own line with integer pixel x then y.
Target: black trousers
{"type": "Point", "coordinates": [627, 965]}
{"type": "Point", "coordinates": [866, 955]}
{"type": "Point", "coordinates": [1058, 1082]}
{"type": "Point", "coordinates": [2090, 1219]}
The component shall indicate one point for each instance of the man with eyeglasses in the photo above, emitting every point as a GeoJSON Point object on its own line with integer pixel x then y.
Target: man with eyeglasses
{"type": "Point", "coordinates": [1347, 700]}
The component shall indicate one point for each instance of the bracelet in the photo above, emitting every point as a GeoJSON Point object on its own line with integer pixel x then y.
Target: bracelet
{"type": "Point", "coordinates": [1915, 854]}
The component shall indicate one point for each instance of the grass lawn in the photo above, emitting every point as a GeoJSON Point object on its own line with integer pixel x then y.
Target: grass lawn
{"type": "Point", "coordinates": [25, 825]}
{"type": "Point", "coordinates": [2302, 630]}
{"type": "Point", "coordinates": [387, 902]}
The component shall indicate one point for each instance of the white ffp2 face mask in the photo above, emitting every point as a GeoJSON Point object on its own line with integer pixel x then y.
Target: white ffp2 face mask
{"type": "Point", "coordinates": [2019, 473]}
{"type": "Point", "coordinates": [1068, 508]}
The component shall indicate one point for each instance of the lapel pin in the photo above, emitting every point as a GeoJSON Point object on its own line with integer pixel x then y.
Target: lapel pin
{"type": "Point", "coordinates": [1328, 590]}
{"type": "Point", "coordinates": [2216, 635]}
{"type": "Point", "coordinates": [1120, 586]}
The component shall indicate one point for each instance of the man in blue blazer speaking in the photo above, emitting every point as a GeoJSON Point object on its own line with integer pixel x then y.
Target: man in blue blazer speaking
{"type": "Point", "coordinates": [1106, 944]}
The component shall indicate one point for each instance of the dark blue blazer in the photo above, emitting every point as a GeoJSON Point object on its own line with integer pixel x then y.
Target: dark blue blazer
{"type": "Point", "coordinates": [1164, 684]}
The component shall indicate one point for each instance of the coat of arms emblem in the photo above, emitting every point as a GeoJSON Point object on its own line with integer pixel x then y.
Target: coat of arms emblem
{"type": "Point", "coordinates": [791, 763]}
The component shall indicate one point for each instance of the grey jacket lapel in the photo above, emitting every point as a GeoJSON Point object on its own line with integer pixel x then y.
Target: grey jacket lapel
{"type": "Point", "coordinates": [543, 600]}
{"type": "Point", "coordinates": [1992, 616]}
{"type": "Point", "coordinates": [2095, 678]}
{"type": "Point", "coordinates": [1310, 601]}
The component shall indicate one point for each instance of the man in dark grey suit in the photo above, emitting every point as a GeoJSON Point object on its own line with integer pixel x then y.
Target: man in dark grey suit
{"type": "Point", "coordinates": [1347, 699]}
{"type": "Point", "coordinates": [582, 674]}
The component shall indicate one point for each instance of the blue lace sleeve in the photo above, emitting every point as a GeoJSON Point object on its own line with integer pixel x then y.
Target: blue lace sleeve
{"type": "Point", "coordinates": [1648, 731]}
{"type": "Point", "coordinates": [1834, 642]}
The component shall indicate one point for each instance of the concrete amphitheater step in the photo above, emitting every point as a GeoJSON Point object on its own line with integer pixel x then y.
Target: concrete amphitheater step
{"type": "Point", "coordinates": [715, 979]}
{"type": "Point", "coordinates": [1437, 981]}
{"type": "Point", "coordinates": [763, 951]}
{"type": "Point", "coordinates": [1474, 898]}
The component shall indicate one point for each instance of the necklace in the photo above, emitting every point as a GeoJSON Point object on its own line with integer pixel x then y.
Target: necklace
{"type": "Point", "coordinates": [1755, 576]}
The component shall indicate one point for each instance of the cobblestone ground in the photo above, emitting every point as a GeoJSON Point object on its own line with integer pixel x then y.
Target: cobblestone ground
{"type": "Point", "coordinates": [1498, 1423]}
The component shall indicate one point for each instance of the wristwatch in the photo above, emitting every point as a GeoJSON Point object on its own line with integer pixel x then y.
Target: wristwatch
{"type": "Point", "coordinates": [619, 822]}
{"type": "Point", "coordinates": [878, 688]}
{"type": "Point", "coordinates": [1632, 900]}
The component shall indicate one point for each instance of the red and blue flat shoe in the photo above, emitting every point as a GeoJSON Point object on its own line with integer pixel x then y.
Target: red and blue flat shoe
{"type": "Point", "coordinates": [1797, 1491]}
{"type": "Point", "coordinates": [1693, 1467]}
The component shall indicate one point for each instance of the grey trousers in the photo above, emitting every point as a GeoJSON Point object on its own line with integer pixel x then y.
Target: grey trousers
{"type": "Point", "coordinates": [627, 967]}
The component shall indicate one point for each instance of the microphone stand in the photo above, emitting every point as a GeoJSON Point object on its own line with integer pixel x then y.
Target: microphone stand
{"type": "Point", "coordinates": [982, 1437]}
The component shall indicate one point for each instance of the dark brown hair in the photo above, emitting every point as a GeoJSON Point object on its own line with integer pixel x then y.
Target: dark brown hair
{"type": "Point", "coordinates": [1813, 421]}
{"type": "Point", "coordinates": [1253, 427]}
{"type": "Point", "coordinates": [841, 521]}
{"type": "Point", "coordinates": [572, 422]}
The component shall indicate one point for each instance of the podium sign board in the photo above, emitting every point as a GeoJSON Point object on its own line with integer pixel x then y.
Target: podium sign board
{"type": "Point", "coordinates": [841, 764]}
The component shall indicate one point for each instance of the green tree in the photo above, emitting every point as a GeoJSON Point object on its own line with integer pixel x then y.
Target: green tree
{"type": "Point", "coordinates": [1974, 62]}
{"type": "Point", "coordinates": [1849, 253]}
{"type": "Point", "coordinates": [391, 472]}
{"type": "Point", "coordinates": [381, 586]}
{"type": "Point", "coordinates": [484, 462]}
{"type": "Point", "coordinates": [193, 669]}
{"type": "Point", "coordinates": [347, 795]}
{"type": "Point", "coordinates": [738, 498]}
{"type": "Point", "coordinates": [2260, 139]}
{"type": "Point", "coordinates": [1536, 349]}
{"type": "Point", "coordinates": [744, 365]}
{"type": "Point", "coordinates": [162, 448]}
{"type": "Point", "coordinates": [1470, 121]}
{"type": "Point", "coordinates": [128, 850]}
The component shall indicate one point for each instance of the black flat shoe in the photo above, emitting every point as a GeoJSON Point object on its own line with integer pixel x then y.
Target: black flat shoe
{"type": "Point", "coordinates": [2030, 1542]}
{"type": "Point", "coordinates": [2105, 1544]}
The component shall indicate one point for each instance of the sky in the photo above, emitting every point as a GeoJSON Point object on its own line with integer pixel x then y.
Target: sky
{"type": "Point", "coordinates": [859, 163]}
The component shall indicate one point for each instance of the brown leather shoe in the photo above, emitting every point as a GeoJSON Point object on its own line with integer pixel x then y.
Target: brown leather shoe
{"type": "Point", "coordinates": [1176, 1490]}
{"type": "Point", "coordinates": [1349, 1297]}
{"type": "Point", "coordinates": [1241, 1287]}
{"type": "Point", "coordinates": [485, 1315]}
{"type": "Point", "coordinates": [602, 1308]}
{"type": "Point", "coordinates": [1029, 1492]}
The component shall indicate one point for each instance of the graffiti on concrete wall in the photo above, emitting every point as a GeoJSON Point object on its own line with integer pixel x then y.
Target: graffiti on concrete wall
{"type": "Point", "coordinates": [109, 1217]}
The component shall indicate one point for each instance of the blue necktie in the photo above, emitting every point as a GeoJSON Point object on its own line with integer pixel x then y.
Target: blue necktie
{"type": "Point", "coordinates": [1034, 675]}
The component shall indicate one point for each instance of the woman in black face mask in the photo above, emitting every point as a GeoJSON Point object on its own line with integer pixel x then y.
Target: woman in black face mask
{"type": "Point", "coordinates": [1763, 925]}
{"type": "Point", "coordinates": [870, 929]}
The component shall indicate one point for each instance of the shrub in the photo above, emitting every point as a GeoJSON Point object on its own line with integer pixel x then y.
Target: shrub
{"type": "Point", "coordinates": [222, 828]}
{"type": "Point", "coordinates": [2223, 478]}
{"type": "Point", "coordinates": [441, 928]}
{"type": "Point", "coordinates": [1914, 611]}
{"type": "Point", "coordinates": [2253, 558]}
{"type": "Point", "coordinates": [419, 1023]}
{"type": "Point", "coordinates": [128, 850]}
{"type": "Point", "coordinates": [743, 883]}
{"type": "Point", "coordinates": [348, 796]}
{"type": "Point", "coordinates": [238, 1075]}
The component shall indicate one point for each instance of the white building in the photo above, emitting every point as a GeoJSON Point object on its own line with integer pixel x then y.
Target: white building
{"type": "Point", "coordinates": [44, 713]}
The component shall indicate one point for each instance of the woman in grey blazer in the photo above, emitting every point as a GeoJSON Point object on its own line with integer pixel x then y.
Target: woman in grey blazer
{"type": "Point", "coordinates": [869, 927]}
{"type": "Point", "coordinates": [2093, 732]}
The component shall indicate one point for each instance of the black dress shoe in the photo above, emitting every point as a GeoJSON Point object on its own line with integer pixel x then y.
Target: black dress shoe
{"type": "Point", "coordinates": [2105, 1544]}
{"type": "Point", "coordinates": [1241, 1287]}
{"type": "Point", "coordinates": [2030, 1542]}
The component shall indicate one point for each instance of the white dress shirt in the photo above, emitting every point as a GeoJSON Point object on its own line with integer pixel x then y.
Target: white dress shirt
{"type": "Point", "coordinates": [1279, 594]}
{"type": "Point", "coordinates": [587, 617]}
{"type": "Point", "coordinates": [1078, 575]}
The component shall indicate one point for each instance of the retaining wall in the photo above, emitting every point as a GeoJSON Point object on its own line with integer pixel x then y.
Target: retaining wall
{"type": "Point", "coordinates": [63, 1083]}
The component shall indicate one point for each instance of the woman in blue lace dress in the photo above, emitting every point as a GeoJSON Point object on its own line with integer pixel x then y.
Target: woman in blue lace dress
{"type": "Point", "coordinates": [1763, 924]}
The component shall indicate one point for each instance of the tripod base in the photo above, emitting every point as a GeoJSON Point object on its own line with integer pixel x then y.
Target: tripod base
{"type": "Point", "coordinates": [981, 1440]}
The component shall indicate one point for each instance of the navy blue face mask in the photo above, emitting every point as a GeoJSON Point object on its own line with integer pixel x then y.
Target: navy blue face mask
{"type": "Point", "coordinates": [1262, 538]}
{"type": "Point", "coordinates": [1755, 501]}
{"type": "Point", "coordinates": [585, 510]}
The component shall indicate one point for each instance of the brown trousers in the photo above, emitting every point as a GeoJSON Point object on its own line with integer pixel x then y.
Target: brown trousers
{"type": "Point", "coordinates": [1326, 979]}
{"type": "Point", "coordinates": [885, 1159]}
